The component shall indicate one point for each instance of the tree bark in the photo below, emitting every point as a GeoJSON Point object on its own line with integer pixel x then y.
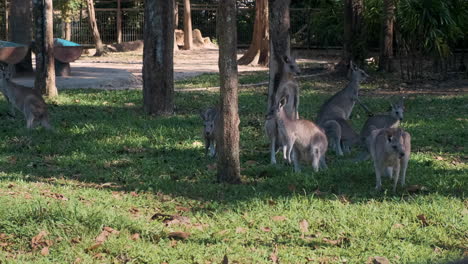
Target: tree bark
{"type": "Point", "coordinates": [227, 140]}
{"type": "Point", "coordinates": [94, 29]}
{"type": "Point", "coordinates": [188, 39]}
{"type": "Point", "coordinates": [68, 30]}
{"type": "Point", "coordinates": [386, 41]}
{"type": "Point", "coordinates": [20, 18]}
{"type": "Point", "coordinates": [45, 68]}
{"type": "Point", "coordinates": [354, 38]}
{"type": "Point", "coordinates": [279, 44]}
{"type": "Point", "coordinates": [258, 52]}
{"type": "Point", "coordinates": [119, 22]}
{"type": "Point", "coordinates": [176, 23]}
{"type": "Point", "coordinates": [158, 64]}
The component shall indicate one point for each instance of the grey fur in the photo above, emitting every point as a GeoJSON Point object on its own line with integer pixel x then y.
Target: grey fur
{"type": "Point", "coordinates": [338, 108]}
{"type": "Point", "coordinates": [390, 150]}
{"type": "Point", "coordinates": [210, 119]}
{"type": "Point", "coordinates": [341, 133]}
{"type": "Point", "coordinates": [26, 100]}
{"type": "Point", "coordinates": [303, 140]}
{"type": "Point", "coordinates": [287, 87]}
{"type": "Point", "coordinates": [390, 119]}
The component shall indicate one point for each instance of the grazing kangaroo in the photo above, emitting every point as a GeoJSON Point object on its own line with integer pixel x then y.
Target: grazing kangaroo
{"type": "Point", "coordinates": [210, 119]}
{"type": "Point", "coordinates": [301, 139]}
{"type": "Point", "coordinates": [390, 119]}
{"type": "Point", "coordinates": [341, 135]}
{"type": "Point", "coordinates": [390, 150]}
{"type": "Point", "coordinates": [339, 107]}
{"type": "Point", "coordinates": [287, 87]}
{"type": "Point", "coordinates": [26, 100]}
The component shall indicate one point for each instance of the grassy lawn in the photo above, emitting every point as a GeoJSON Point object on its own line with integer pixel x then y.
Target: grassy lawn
{"type": "Point", "coordinates": [108, 165]}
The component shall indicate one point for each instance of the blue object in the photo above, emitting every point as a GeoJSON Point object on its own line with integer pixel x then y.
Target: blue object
{"type": "Point", "coordinates": [10, 44]}
{"type": "Point", "coordinates": [63, 42]}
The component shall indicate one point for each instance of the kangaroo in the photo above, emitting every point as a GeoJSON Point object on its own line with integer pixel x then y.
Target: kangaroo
{"type": "Point", "coordinates": [26, 100]}
{"type": "Point", "coordinates": [210, 119]}
{"type": "Point", "coordinates": [302, 139]}
{"type": "Point", "coordinates": [390, 150]}
{"type": "Point", "coordinates": [339, 107]}
{"type": "Point", "coordinates": [287, 87]}
{"type": "Point", "coordinates": [342, 103]}
{"type": "Point", "coordinates": [341, 135]}
{"type": "Point", "coordinates": [389, 119]}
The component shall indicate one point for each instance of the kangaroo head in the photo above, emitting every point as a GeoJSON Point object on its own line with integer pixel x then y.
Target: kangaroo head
{"type": "Point", "coordinates": [397, 110]}
{"type": "Point", "coordinates": [209, 116]}
{"type": "Point", "coordinates": [290, 66]}
{"type": "Point", "coordinates": [395, 142]}
{"type": "Point", "coordinates": [357, 74]}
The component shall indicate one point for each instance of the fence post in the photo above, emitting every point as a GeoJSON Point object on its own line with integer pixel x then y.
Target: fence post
{"type": "Point", "coordinates": [119, 22]}
{"type": "Point", "coordinates": [6, 20]}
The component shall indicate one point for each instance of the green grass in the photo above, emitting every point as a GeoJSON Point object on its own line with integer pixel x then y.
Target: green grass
{"type": "Point", "coordinates": [212, 80]}
{"type": "Point", "coordinates": [117, 167]}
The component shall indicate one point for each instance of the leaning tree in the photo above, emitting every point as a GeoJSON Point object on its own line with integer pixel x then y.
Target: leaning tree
{"type": "Point", "coordinates": [94, 28]}
{"type": "Point", "coordinates": [280, 44]}
{"type": "Point", "coordinates": [44, 36]}
{"type": "Point", "coordinates": [228, 138]}
{"type": "Point", "coordinates": [158, 60]}
{"type": "Point", "coordinates": [258, 52]}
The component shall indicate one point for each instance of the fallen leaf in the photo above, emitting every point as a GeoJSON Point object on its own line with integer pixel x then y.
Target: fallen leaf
{"type": "Point", "coordinates": [304, 226]}
{"type": "Point", "coordinates": [292, 187]}
{"type": "Point", "coordinates": [274, 254]}
{"type": "Point", "coordinates": [179, 235]}
{"type": "Point", "coordinates": [211, 167]}
{"type": "Point", "coordinates": [437, 250]}
{"type": "Point", "coordinates": [222, 232]}
{"type": "Point", "coordinates": [240, 230]}
{"type": "Point", "coordinates": [135, 237]}
{"type": "Point", "coordinates": [38, 239]}
{"type": "Point", "coordinates": [398, 226]}
{"type": "Point", "coordinates": [77, 261]}
{"type": "Point", "coordinates": [12, 160]}
{"type": "Point", "coordinates": [134, 194]}
{"type": "Point", "coordinates": [335, 242]}
{"type": "Point", "coordinates": [265, 229]}
{"type": "Point", "coordinates": [173, 243]}
{"type": "Point", "coordinates": [319, 193]}
{"type": "Point", "coordinates": [45, 251]}
{"type": "Point", "coordinates": [423, 219]}
{"type": "Point", "coordinates": [439, 158]}
{"type": "Point", "coordinates": [134, 211]}
{"type": "Point", "coordinates": [177, 220]}
{"type": "Point", "coordinates": [278, 218]}
{"type": "Point", "coordinates": [271, 202]}
{"type": "Point", "coordinates": [11, 185]}
{"type": "Point", "coordinates": [94, 246]}
{"type": "Point", "coordinates": [182, 209]}
{"type": "Point", "coordinates": [106, 232]}
{"type": "Point", "coordinates": [129, 104]}
{"type": "Point", "coordinates": [77, 100]}
{"type": "Point", "coordinates": [344, 199]}
{"type": "Point", "coordinates": [199, 226]}
{"type": "Point", "coordinates": [379, 260]}
{"type": "Point", "coordinates": [416, 188]}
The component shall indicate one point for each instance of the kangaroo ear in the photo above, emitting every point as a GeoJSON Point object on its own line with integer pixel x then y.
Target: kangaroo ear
{"type": "Point", "coordinates": [283, 101]}
{"type": "Point", "coordinates": [202, 114]}
{"type": "Point", "coordinates": [389, 138]}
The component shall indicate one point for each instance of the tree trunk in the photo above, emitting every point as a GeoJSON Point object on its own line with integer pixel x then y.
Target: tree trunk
{"type": "Point", "coordinates": [45, 68]}
{"type": "Point", "coordinates": [68, 30]}
{"type": "Point", "coordinates": [188, 39]}
{"type": "Point", "coordinates": [176, 23]}
{"type": "Point", "coordinates": [386, 41]}
{"type": "Point", "coordinates": [94, 29]}
{"type": "Point", "coordinates": [20, 19]}
{"type": "Point", "coordinates": [258, 52]}
{"type": "Point", "coordinates": [158, 64]}
{"type": "Point", "coordinates": [227, 140]}
{"type": "Point", "coordinates": [119, 22]}
{"type": "Point", "coordinates": [354, 37]}
{"type": "Point", "coordinates": [280, 44]}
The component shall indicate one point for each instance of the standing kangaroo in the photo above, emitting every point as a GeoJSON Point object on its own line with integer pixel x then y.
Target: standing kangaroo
{"type": "Point", "coordinates": [390, 149]}
{"type": "Point", "coordinates": [287, 87]}
{"type": "Point", "coordinates": [26, 100]}
{"type": "Point", "coordinates": [340, 132]}
{"type": "Point", "coordinates": [391, 119]}
{"type": "Point", "coordinates": [210, 119]}
{"type": "Point", "coordinates": [301, 139]}
{"type": "Point", "coordinates": [340, 106]}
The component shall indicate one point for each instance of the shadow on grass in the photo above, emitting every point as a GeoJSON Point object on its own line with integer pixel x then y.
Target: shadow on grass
{"type": "Point", "coordinates": [99, 143]}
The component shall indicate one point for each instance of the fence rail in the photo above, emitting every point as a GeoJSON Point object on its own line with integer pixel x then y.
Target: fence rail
{"type": "Point", "coordinates": [203, 18]}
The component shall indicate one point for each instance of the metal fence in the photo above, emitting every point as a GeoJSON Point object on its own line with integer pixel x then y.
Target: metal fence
{"type": "Point", "coordinates": [3, 21]}
{"type": "Point", "coordinates": [203, 18]}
